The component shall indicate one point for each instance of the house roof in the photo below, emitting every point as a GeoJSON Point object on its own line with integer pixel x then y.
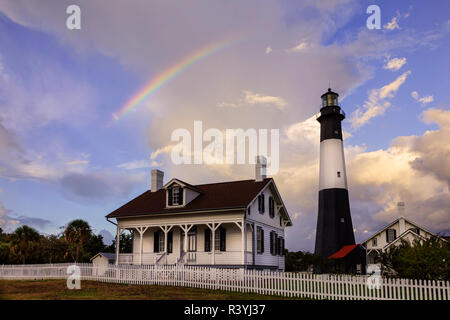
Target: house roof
{"type": "Point", "coordinates": [213, 196]}
{"type": "Point", "coordinates": [409, 231]}
{"type": "Point", "coordinates": [182, 183]}
{"type": "Point", "coordinates": [107, 255]}
{"type": "Point", "coordinates": [341, 253]}
{"type": "Point", "coordinates": [394, 222]}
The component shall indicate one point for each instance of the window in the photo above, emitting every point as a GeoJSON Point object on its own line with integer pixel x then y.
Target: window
{"type": "Point", "coordinates": [342, 220]}
{"type": "Point", "coordinates": [175, 196]}
{"type": "Point", "coordinates": [416, 230]}
{"type": "Point", "coordinates": [248, 210]}
{"type": "Point", "coordinates": [161, 242]}
{"type": "Point", "coordinates": [261, 208]}
{"type": "Point", "coordinates": [271, 207]}
{"type": "Point", "coordinates": [273, 243]}
{"type": "Point", "coordinates": [259, 240]}
{"type": "Point", "coordinates": [217, 240]}
{"type": "Point", "coordinates": [207, 240]}
{"type": "Point", "coordinates": [338, 174]}
{"type": "Point", "coordinates": [374, 242]}
{"type": "Point", "coordinates": [192, 239]}
{"type": "Point", "coordinates": [281, 246]}
{"type": "Point", "coordinates": [220, 239]}
{"type": "Point", "coordinates": [391, 235]}
{"type": "Point", "coordinates": [281, 221]}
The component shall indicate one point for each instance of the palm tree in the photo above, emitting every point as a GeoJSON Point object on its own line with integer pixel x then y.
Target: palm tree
{"type": "Point", "coordinates": [24, 244]}
{"type": "Point", "coordinates": [76, 234]}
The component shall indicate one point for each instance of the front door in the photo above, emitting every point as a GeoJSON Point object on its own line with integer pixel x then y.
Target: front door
{"type": "Point", "coordinates": [191, 244]}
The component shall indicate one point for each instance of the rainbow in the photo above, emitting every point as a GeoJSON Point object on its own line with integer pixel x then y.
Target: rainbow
{"type": "Point", "coordinates": [164, 77]}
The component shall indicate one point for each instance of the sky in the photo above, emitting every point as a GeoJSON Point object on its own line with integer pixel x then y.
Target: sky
{"type": "Point", "coordinates": [68, 152]}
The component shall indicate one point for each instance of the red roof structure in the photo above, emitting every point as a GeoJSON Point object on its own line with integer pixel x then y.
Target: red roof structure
{"type": "Point", "coordinates": [343, 251]}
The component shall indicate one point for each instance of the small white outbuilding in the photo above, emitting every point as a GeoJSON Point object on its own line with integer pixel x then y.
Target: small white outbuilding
{"type": "Point", "coordinates": [101, 261]}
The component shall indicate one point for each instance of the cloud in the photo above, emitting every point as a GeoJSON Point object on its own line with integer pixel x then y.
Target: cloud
{"type": "Point", "coordinates": [46, 96]}
{"type": "Point", "coordinates": [258, 99]}
{"type": "Point", "coordinates": [99, 185]}
{"type": "Point", "coordinates": [393, 24]}
{"type": "Point", "coordinates": [250, 99]}
{"type": "Point", "coordinates": [395, 64]}
{"type": "Point", "coordinates": [138, 164]}
{"type": "Point", "coordinates": [302, 46]}
{"type": "Point", "coordinates": [423, 100]}
{"type": "Point", "coordinates": [377, 102]}
{"type": "Point", "coordinates": [296, 79]}
{"type": "Point", "coordinates": [9, 220]}
{"type": "Point", "coordinates": [268, 50]}
{"type": "Point", "coordinates": [77, 162]}
{"type": "Point", "coordinates": [107, 237]}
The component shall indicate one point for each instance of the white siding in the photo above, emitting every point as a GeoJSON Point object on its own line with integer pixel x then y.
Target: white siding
{"type": "Point", "coordinates": [264, 217]}
{"type": "Point", "coordinates": [398, 227]}
{"type": "Point", "coordinates": [268, 224]}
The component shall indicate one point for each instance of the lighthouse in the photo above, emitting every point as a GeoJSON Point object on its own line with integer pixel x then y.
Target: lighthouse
{"type": "Point", "coordinates": [334, 222]}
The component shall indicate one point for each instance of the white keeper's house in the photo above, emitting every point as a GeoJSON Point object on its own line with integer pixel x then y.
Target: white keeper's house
{"type": "Point", "coordinates": [392, 235]}
{"type": "Point", "coordinates": [225, 224]}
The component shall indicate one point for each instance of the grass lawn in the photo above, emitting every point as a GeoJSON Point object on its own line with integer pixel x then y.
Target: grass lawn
{"type": "Point", "coordinates": [92, 290]}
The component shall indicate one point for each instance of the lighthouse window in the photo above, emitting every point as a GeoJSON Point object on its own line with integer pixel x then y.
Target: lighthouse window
{"type": "Point", "coordinates": [338, 174]}
{"type": "Point", "coordinates": [342, 220]}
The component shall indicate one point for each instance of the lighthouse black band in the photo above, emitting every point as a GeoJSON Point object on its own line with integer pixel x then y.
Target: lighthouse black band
{"type": "Point", "coordinates": [330, 123]}
{"type": "Point", "coordinates": [334, 223]}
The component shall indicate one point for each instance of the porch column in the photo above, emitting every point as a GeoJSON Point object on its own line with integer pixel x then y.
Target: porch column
{"type": "Point", "coordinates": [244, 235]}
{"type": "Point", "coordinates": [241, 225]}
{"type": "Point", "coordinates": [117, 244]}
{"type": "Point", "coordinates": [166, 230]}
{"type": "Point", "coordinates": [213, 244]}
{"type": "Point", "coordinates": [141, 231]}
{"type": "Point", "coordinates": [213, 227]}
{"type": "Point", "coordinates": [185, 228]}
{"type": "Point", "coordinates": [254, 246]}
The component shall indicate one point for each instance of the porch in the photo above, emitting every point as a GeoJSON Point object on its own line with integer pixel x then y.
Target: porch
{"type": "Point", "coordinates": [221, 243]}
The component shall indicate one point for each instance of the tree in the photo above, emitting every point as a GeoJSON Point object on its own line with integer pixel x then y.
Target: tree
{"type": "Point", "coordinates": [126, 244]}
{"type": "Point", "coordinates": [24, 245]}
{"type": "Point", "coordinates": [423, 259]}
{"type": "Point", "coordinates": [77, 235]}
{"type": "Point", "coordinates": [301, 261]}
{"type": "Point", "coordinates": [93, 246]}
{"type": "Point", "coordinates": [54, 249]}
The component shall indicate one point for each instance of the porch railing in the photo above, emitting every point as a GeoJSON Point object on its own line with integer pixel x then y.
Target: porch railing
{"type": "Point", "coordinates": [189, 258]}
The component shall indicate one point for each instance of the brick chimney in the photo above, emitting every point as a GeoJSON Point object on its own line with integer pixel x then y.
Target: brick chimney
{"type": "Point", "coordinates": [157, 179]}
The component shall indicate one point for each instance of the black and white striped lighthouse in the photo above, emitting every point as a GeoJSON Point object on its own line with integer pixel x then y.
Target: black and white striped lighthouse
{"type": "Point", "coordinates": [334, 222]}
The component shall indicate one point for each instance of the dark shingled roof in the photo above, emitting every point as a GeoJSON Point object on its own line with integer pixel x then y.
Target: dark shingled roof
{"type": "Point", "coordinates": [213, 196]}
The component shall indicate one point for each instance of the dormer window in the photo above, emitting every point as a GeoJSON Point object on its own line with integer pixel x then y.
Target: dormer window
{"type": "Point", "coordinates": [175, 195]}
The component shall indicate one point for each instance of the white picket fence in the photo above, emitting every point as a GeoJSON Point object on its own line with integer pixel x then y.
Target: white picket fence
{"type": "Point", "coordinates": [288, 284]}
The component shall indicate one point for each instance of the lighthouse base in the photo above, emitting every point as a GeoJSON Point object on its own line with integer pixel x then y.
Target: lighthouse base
{"type": "Point", "coordinates": [334, 222]}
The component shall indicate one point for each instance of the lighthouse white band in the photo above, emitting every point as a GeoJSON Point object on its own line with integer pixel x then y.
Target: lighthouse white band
{"type": "Point", "coordinates": [332, 165]}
